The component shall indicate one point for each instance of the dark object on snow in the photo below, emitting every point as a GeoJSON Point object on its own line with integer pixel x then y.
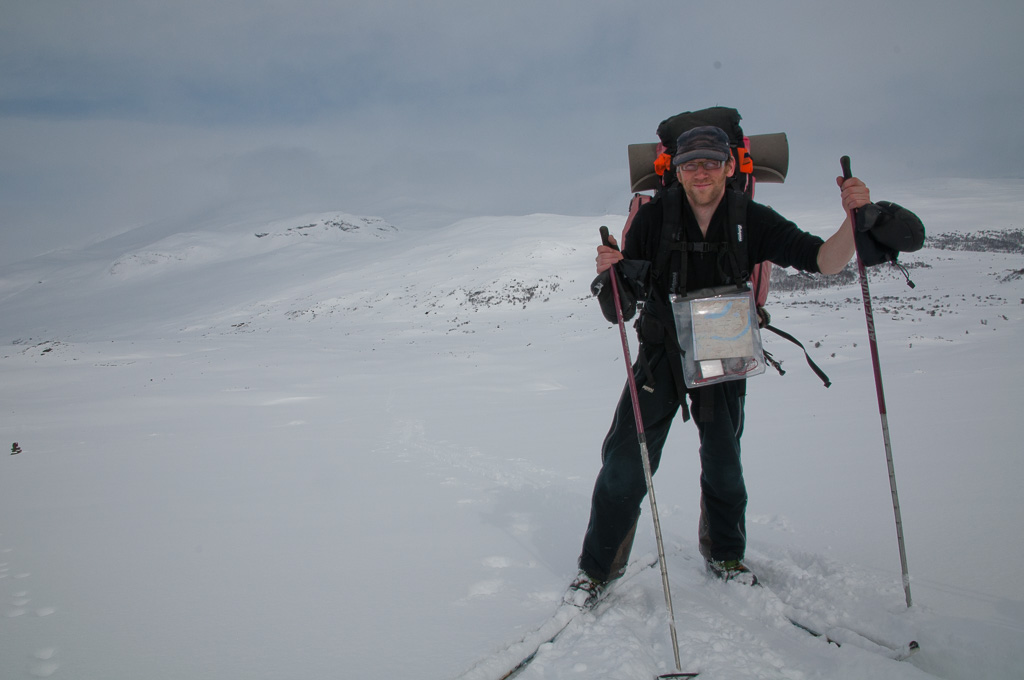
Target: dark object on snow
{"type": "Point", "coordinates": [15, 449]}
{"type": "Point", "coordinates": [884, 230]}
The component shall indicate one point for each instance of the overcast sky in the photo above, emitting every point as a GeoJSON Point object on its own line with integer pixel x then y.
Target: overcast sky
{"type": "Point", "coordinates": [119, 113]}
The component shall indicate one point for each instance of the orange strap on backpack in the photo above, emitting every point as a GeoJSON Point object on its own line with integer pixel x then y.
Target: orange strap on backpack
{"type": "Point", "coordinates": [746, 162]}
{"type": "Point", "coordinates": [662, 164]}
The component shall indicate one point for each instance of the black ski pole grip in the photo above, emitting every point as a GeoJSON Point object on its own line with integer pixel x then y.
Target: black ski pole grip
{"type": "Point", "coordinates": [844, 162]}
{"type": "Point", "coordinates": [604, 238]}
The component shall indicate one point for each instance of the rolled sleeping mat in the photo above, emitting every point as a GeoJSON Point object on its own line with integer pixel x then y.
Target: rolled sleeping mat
{"type": "Point", "coordinates": [770, 153]}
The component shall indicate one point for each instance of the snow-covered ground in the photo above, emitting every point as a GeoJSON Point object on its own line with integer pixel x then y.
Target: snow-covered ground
{"type": "Point", "coordinates": [327, 447]}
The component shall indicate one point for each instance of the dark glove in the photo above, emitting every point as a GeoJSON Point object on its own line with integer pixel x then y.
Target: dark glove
{"type": "Point", "coordinates": [884, 230]}
{"type": "Point", "coordinates": [632, 278]}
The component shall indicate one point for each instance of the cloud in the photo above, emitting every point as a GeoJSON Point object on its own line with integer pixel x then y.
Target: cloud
{"type": "Point", "coordinates": [115, 113]}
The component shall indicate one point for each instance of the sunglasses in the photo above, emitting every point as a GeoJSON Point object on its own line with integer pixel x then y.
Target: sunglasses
{"type": "Point", "coordinates": [691, 166]}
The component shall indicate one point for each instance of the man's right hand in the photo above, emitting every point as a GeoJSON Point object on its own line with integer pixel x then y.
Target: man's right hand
{"type": "Point", "coordinates": [607, 256]}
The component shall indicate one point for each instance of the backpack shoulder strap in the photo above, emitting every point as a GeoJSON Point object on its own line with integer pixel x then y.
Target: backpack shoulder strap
{"type": "Point", "coordinates": [737, 228]}
{"type": "Point", "coordinates": [669, 258]}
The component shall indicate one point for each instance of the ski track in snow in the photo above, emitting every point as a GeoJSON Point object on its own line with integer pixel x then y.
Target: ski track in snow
{"type": "Point", "coordinates": [276, 450]}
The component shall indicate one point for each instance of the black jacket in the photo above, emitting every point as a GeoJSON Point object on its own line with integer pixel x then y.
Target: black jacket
{"type": "Point", "coordinates": [769, 235]}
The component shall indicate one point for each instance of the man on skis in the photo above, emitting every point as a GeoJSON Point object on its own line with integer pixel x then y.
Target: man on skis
{"type": "Point", "coordinates": [703, 163]}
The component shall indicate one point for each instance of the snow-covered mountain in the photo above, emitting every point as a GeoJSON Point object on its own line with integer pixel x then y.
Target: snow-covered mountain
{"type": "Point", "coordinates": [330, 447]}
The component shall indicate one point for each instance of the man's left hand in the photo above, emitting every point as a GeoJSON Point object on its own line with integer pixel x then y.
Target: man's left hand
{"type": "Point", "coordinates": [855, 193]}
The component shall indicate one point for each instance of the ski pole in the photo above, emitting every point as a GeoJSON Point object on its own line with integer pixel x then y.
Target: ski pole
{"type": "Point", "coordinates": [648, 476]}
{"type": "Point", "coordinates": [873, 343]}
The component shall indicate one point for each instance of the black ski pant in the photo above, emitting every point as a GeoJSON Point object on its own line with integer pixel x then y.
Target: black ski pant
{"type": "Point", "coordinates": [621, 487]}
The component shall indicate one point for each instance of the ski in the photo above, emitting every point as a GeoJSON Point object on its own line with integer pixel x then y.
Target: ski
{"type": "Point", "coordinates": [516, 657]}
{"type": "Point", "coordinates": [566, 612]}
{"type": "Point", "coordinates": [842, 635]}
{"type": "Point", "coordinates": [845, 635]}
{"type": "Point", "coordinates": [521, 666]}
{"type": "Point", "coordinates": [510, 661]}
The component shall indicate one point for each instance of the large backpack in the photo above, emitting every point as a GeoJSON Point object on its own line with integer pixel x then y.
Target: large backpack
{"type": "Point", "coordinates": [759, 158]}
{"type": "Point", "coordinates": [763, 158]}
